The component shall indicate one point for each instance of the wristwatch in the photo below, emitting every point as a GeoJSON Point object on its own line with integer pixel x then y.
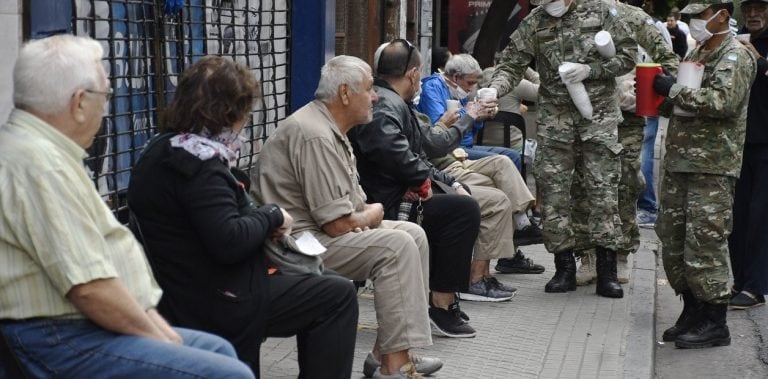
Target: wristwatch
{"type": "Point", "coordinates": [456, 185]}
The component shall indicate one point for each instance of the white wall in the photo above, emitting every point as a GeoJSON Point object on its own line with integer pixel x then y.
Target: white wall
{"type": "Point", "coordinates": [10, 39]}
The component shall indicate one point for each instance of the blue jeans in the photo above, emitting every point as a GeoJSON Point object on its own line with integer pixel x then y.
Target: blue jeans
{"type": "Point", "coordinates": [80, 349]}
{"type": "Point", "coordinates": [478, 152]}
{"type": "Point", "coordinates": [647, 200]}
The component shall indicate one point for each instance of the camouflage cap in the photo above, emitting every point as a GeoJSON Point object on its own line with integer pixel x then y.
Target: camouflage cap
{"type": "Point", "coordinates": [753, 1]}
{"type": "Point", "coordinates": [698, 6]}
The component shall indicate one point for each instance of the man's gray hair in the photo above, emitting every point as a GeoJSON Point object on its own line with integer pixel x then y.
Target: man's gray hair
{"type": "Point", "coordinates": [343, 69]}
{"type": "Point", "coordinates": [462, 64]}
{"type": "Point", "coordinates": [48, 71]}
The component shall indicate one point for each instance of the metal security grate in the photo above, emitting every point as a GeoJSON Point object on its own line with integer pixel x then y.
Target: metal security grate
{"type": "Point", "coordinates": [146, 51]}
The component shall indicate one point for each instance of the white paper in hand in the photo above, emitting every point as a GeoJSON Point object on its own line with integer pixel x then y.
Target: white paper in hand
{"type": "Point", "coordinates": [577, 91]}
{"type": "Point", "coordinates": [309, 245]}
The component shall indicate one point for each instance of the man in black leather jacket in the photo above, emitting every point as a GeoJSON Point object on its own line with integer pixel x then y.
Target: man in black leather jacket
{"type": "Point", "coordinates": [392, 153]}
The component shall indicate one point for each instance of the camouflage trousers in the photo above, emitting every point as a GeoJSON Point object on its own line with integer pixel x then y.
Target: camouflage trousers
{"type": "Point", "coordinates": [631, 185]}
{"type": "Point", "coordinates": [554, 170]}
{"type": "Point", "coordinates": [694, 222]}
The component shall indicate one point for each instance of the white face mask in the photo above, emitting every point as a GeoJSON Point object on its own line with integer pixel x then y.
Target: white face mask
{"type": "Point", "coordinates": [458, 93]}
{"type": "Point", "coordinates": [699, 30]}
{"type": "Point", "coordinates": [556, 8]}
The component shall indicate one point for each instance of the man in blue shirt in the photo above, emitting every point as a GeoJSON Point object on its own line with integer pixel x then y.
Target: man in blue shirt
{"type": "Point", "coordinates": [461, 75]}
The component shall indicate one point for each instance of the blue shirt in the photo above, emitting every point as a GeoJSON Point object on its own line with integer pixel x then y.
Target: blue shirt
{"type": "Point", "coordinates": [434, 93]}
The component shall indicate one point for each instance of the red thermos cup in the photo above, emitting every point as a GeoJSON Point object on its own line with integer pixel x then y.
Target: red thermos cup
{"type": "Point", "coordinates": [647, 100]}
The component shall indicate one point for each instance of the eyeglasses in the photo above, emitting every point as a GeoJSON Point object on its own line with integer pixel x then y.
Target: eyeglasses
{"type": "Point", "coordinates": [107, 94]}
{"type": "Point", "coordinates": [410, 53]}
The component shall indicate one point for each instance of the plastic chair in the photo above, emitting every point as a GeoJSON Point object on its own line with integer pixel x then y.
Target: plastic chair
{"type": "Point", "coordinates": [508, 120]}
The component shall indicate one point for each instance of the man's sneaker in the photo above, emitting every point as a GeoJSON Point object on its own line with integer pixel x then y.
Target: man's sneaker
{"type": "Point", "coordinates": [646, 219]}
{"type": "Point", "coordinates": [586, 273]}
{"type": "Point", "coordinates": [746, 300]}
{"type": "Point", "coordinates": [518, 264]}
{"type": "Point", "coordinates": [487, 291]}
{"type": "Point", "coordinates": [622, 268]}
{"type": "Point", "coordinates": [528, 235]}
{"type": "Point", "coordinates": [449, 323]}
{"type": "Point", "coordinates": [408, 371]}
{"type": "Point", "coordinates": [502, 286]}
{"type": "Point", "coordinates": [535, 217]}
{"type": "Point", "coordinates": [424, 365]}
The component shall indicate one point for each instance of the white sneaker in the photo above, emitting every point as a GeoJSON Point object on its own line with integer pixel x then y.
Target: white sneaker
{"type": "Point", "coordinates": [646, 219]}
{"type": "Point", "coordinates": [586, 274]}
{"type": "Point", "coordinates": [424, 365]}
{"type": "Point", "coordinates": [622, 268]}
{"type": "Point", "coordinates": [406, 372]}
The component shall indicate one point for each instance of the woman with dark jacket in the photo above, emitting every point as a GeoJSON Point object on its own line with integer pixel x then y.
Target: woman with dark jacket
{"type": "Point", "coordinates": [206, 251]}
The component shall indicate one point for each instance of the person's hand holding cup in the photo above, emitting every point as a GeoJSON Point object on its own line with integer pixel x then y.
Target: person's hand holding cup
{"type": "Point", "coordinates": [451, 114]}
{"type": "Point", "coordinates": [488, 104]}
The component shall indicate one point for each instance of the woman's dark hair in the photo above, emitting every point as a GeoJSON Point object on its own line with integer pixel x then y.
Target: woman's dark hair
{"type": "Point", "coordinates": [440, 56]}
{"type": "Point", "coordinates": [213, 93]}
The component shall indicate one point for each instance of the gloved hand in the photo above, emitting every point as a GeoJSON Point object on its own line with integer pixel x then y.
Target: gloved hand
{"type": "Point", "coordinates": [663, 82]}
{"type": "Point", "coordinates": [576, 73]}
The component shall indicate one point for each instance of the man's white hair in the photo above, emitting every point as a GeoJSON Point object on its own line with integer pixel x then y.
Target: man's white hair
{"type": "Point", "coordinates": [343, 69]}
{"type": "Point", "coordinates": [48, 72]}
{"type": "Point", "coordinates": [462, 64]}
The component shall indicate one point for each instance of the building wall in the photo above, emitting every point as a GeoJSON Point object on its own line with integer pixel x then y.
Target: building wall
{"type": "Point", "coordinates": [362, 25]}
{"type": "Point", "coordinates": [426, 25]}
{"type": "Point", "coordinates": [10, 40]}
{"type": "Point", "coordinates": [352, 26]}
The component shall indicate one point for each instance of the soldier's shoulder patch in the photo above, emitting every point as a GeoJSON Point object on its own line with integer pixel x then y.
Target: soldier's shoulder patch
{"type": "Point", "coordinates": [649, 21]}
{"type": "Point", "coordinates": [732, 57]}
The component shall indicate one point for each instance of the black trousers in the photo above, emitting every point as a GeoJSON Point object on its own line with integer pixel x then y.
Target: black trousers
{"type": "Point", "coordinates": [321, 311]}
{"type": "Point", "coordinates": [451, 223]}
{"type": "Point", "coordinates": [748, 242]}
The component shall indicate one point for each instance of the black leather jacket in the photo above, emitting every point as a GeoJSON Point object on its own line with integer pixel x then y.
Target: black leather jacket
{"type": "Point", "coordinates": [392, 151]}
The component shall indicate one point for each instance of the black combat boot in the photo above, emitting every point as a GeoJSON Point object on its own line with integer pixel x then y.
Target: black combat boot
{"type": "Point", "coordinates": [710, 331]}
{"type": "Point", "coordinates": [565, 273]}
{"type": "Point", "coordinates": [607, 282]}
{"type": "Point", "coordinates": [688, 318]}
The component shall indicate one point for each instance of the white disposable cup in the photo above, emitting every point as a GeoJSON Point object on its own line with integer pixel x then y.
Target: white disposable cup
{"type": "Point", "coordinates": [487, 94]}
{"type": "Point", "coordinates": [743, 37]}
{"type": "Point", "coordinates": [578, 93]}
{"type": "Point", "coordinates": [689, 75]}
{"type": "Point", "coordinates": [604, 44]}
{"type": "Point", "coordinates": [452, 105]}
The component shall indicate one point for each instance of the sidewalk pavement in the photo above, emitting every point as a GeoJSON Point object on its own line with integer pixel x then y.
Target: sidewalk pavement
{"type": "Point", "coordinates": [536, 335]}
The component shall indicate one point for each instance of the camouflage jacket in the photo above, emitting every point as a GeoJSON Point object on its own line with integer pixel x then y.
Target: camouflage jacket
{"type": "Point", "coordinates": [711, 142]}
{"type": "Point", "coordinates": [645, 33]}
{"type": "Point", "coordinates": [551, 41]}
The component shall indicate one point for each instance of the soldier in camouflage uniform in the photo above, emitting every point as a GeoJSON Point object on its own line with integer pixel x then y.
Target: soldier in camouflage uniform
{"type": "Point", "coordinates": [557, 32]}
{"type": "Point", "coordinates": [653, 48]}
{"type": "Point", "coordinates": [703, 160]}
